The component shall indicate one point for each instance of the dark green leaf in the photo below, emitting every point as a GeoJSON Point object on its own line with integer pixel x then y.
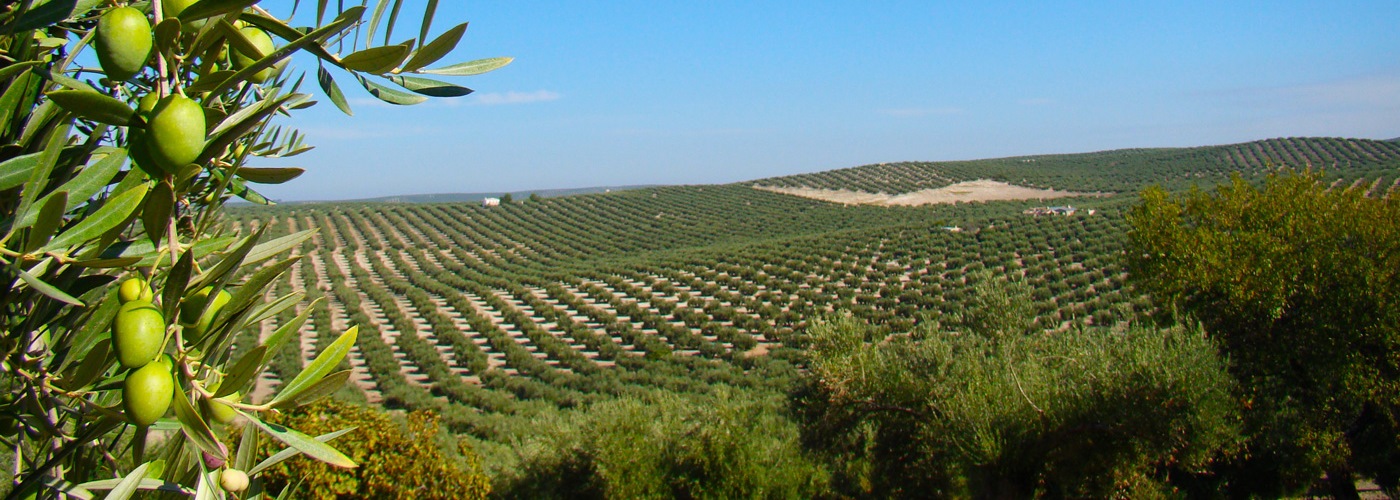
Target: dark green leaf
{"type": "Point", "coordinates": [428, 12]}
{"type": "Point", "coordinates": [94, 363]}
{"type": "Point", "coordinates": [470, 68]}
{"type": "Point", "coordinates": [176, 282]}
{"type": "Point", "coordinates": [41, 14]}
{"type": "Point", "coordinates": [91, 180]}
{"type": "Point", "coordinates": [389, 95]}
{"type": "Point", "coordinates": [332, 90]}
{"type": "Point", "coordinates": [223, 271]}
{"type": "Point", "coordinates": [204, 9]}
{"type": "Point", "coordinates": [14, 171]}
{"type": "Point", "coordinates": [428, 87]}
{"type": "Point", "coordinates": [155, 215]}
{"type": "Point", "coordinates": [241, 190]}
{"type": "Point", "coordinates": [436, 50]}
{"type": "Point", "coordinates": [113, 213]}
{"type": "Point", "coordinates": [247, 447]}
{"type": "Point", "coordinates": [209, 82]}
{"type": "Point", "coordinates": [194, 426]}
{"type": "Point", "coordinates": [49, 219]}
{"type": "Point", "coordinates": [108, 263]}
{"type": "Point", "coordinates": [93, 106]}
{"type": "Point", "coordinates": [49, 290]}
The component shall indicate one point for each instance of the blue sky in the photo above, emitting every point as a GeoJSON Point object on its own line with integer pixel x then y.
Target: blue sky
{"type": "Point", "coordinates": [647, 92]}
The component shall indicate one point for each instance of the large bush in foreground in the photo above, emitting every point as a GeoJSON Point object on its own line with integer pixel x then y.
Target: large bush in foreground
{"type": "Point", "coordinates": [398, 458]}
{"type": "Point", "coordinates": [1010, 414]}
{"type": "Point", "coordinates": [1300, 285]}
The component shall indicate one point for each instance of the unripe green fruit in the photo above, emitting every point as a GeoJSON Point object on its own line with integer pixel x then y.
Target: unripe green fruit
{"type": "Point", "coordinates": [233, 480]}
{"type": "Point", "coordinates": [134, 289]}
{"type": "Point", "coordinates": [173, 8]}
{"type": "Point", "coordinates": [136, 136]}
{"type": "Point", "coordinates": [147, 393]}
{"type": "Point", "coordinates": [137, 333]}
{"type": "Point", "coordinates": [123, 43]}
{"type": "Point", "coordinates": [263, 42]}
{"type": "Point", "coordinates": [219, 410]}
{"type": "Point", "coordinates": [190, 315]}
{"type": "Point", "coordinates": [175, 132]}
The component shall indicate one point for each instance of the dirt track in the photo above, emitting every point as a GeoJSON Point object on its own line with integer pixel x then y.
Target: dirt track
{"type": "Point", "coordinates": [962, 192]}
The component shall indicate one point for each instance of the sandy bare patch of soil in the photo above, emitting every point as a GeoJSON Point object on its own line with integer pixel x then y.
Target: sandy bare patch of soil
{"type": "Point", "coordinates": [962, 192]}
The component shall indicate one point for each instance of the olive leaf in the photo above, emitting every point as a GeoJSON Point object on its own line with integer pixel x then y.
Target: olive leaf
{"type": "Point", "coordinates": [93, 105]}
{"type": "Point", "coordinates": [15, 171]}
{"type": "Point", "coordinates": [328, 84]}
{"type": "Point", "coordinates": [112, 214]}
{"type": "Point", "coordinates": [429, 87]}
{"type": "Point", "coordinates": [376, 60]}
{"type": "Point", "coordinates": [194, 426]}
{"type": "Point", "coordinates": [242, 372]}
{"type": "Point", "coordinates": [435, 50]}
{"type": "Point", "coordinates": [470, 68]}
{"type": "Point", "coordinates": [318, 368]}
{"type": "Point", "coordinates": [389, 95]}
{"type": "Point", "coordinates": [323, 388]}
{"type": "Point", "coordinates": [283, 455]}
{"type": "Point", "coordinates": [312, 447]}
{"type": "Point", "coordinates": [50, 216]}
{"type": "Point", "coordinates": [209, 8]}
{"type": "Point", "coordinates": [128, 485]}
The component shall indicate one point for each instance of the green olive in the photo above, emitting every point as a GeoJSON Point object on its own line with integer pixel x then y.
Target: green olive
{"type": "Point", "coordinates": [123, 43]}
{"type": "Point", "coordinates": [173, 8]}
{"type": "Point", "coordinates": [136, 136]}
{"type": "Point", "coordinates": [147, 392]}
{"type": "Point", "coordinates": [194, 314]}
{"type": "Point", "coordinates": [219, 410]}
{"type": "Point", "coordinates": [263, 42]}
{"type": "Point", "coordinates": [134, 289]}
{"type": "Point", "coordinates": [137, 333]}
{"type": "Point", "coordinates": [233, 480]}
{"type": "Point", "coordinates": [175, 133]}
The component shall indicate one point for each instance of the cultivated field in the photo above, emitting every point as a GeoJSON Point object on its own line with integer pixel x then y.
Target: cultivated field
{"type": "Point", "coordinates": [485, 313]}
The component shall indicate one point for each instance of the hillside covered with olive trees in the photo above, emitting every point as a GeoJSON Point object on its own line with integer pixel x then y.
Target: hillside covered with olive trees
{"type": "Point", "coordinates": [681, 322]}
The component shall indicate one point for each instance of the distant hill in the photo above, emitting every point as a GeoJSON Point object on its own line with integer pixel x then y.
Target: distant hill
{"type": "Point", "coordinates": [477, 197]}
{"type": "Point", "coordinates": [1124, 170]}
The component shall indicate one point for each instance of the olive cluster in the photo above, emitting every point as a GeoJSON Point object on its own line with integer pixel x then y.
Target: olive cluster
{"type": "Point", "coordinates": [168, 132]}
{"type": "Point", "coordinates": [139, 337]}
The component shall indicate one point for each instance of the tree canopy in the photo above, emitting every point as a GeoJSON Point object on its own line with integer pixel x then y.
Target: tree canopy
{"type": "Point", "coordinates": [1298, 282]}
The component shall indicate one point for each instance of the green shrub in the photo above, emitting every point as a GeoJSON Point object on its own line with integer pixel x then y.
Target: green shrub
{"type": "Point", "coordinates": [1087, 413]}
{"type": "Point", "coordinates": [662, 446]}
{"type": "Point", "coordinates": [398, 457]}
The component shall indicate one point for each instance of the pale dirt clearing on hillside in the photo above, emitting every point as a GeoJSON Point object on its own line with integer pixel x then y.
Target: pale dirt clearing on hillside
{"type": "Point", "coordinates": [964, 192]}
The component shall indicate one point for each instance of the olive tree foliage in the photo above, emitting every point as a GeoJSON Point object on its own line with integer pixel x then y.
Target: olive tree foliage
{"type": "Point", "coordinates": [76, 216]}
{"type": "Point", "coordinates": [1013, 413]}
{"type": "Point", "coordinates": [1299, 284]}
